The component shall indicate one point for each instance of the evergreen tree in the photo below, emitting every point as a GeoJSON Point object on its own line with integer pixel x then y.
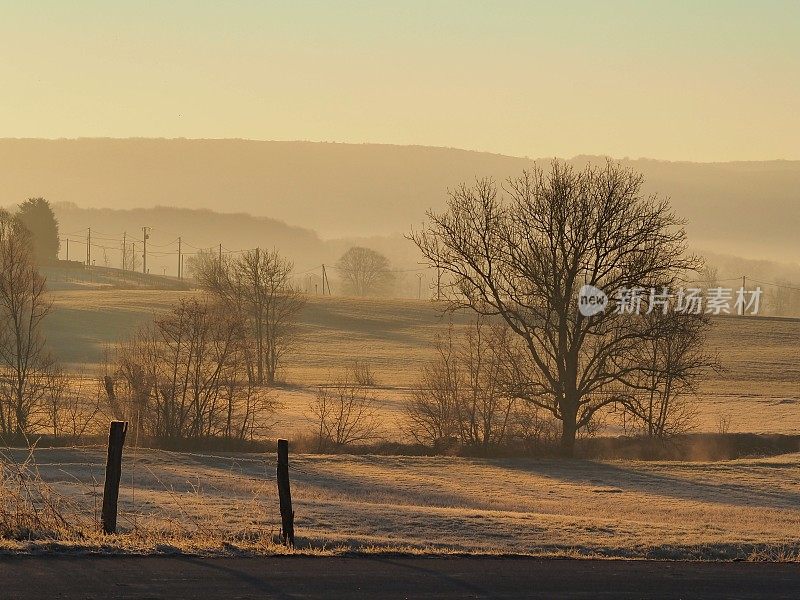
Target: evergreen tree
{"type": "Point", "coordinates": [38, 217]}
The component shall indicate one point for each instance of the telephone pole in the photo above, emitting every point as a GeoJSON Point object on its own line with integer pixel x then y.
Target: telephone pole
{"type": "Point", "coordinates": [744, 285]}
{"type": "Point", "coordinates": [180, 260]}
{"type": "Point", "coordinates": [89, 248]}
{"type": "Point", "coordinates": [145, 236]}
{"type": "Point", "coordinates": [419, 286]}
{"type": "Point", "coordinates": [124, 250]}
{"type": "Point", "coordinates": [67, 249]}
{"type": "Point", "coordinates": [325, 281]}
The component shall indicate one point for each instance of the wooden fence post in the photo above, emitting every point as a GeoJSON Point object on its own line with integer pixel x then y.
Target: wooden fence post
{"type": "Point", "coordinates": [116, 439]}
{"type": "Point", "coordinates": [285, 494]}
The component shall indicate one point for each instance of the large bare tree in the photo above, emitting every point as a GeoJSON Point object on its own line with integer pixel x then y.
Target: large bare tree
{"type": "Point", "coordinates": [24, 360]}
{"type": "Point", "coordinates": [523, 255]}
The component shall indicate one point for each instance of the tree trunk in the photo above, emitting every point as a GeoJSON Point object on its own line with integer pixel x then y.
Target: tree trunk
{"type": "Point", "coordinates": [568, 432]}
{"type": "Point", "coordinates": [569, 425]}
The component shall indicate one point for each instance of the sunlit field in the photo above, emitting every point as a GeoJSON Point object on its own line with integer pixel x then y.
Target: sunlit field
{"type": "Point", "coordinates": [225, 503]}
{"type": "Point", "coordinates": [757, 392]}
{"type": "Point", "coordinates": [212, 502]}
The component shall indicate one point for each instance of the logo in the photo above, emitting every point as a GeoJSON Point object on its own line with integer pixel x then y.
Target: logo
{"type": "Point", "coordinates": [591, 300]}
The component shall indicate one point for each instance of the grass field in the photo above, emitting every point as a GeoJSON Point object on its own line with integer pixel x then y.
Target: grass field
{"type": "Point", "coordinates": [212, 503]}
{"type": "Point", "coordinates": [745, 509]}
{"type": "Point", "coordinates": [759, 390]}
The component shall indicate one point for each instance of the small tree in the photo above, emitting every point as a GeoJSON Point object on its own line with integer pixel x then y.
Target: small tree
{"type": "Point", "coordinates": [463, 397]}
{"type": "Point", "coordinates": [671, 365]}
{"type": "Point", "coordinates": [432, 412]}
{"type": "Point", "coordinates": [343, 413]}
{"type": "Point", "coordinates": [38, 217]}
{"type": "Point", "coordinates": [364, 271]}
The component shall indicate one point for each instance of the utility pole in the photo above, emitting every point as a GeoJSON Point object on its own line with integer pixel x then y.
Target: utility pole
{"type": "Point", "coordinates": [419, 286]}
{"type": "Point", "coordinates": [744, 285]}
{"type": "Point", "coordinates": [438, 283]}
{"type": "Point", "coordinates": [180, 260]}
{"type": "Point", "coordinates": [325, 281]}
{"type": "Point", "coordinates": [67, 249]}
{"type": "Point", "coordinates": [89, 248]}
{"type": "Point", "coordinates": [124, 250]}
{"type": "Point", "coordinates": [145, 236]}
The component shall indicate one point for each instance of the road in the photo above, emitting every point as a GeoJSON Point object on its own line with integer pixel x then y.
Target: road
{"type": "Point", "coordinates": [386, 577]}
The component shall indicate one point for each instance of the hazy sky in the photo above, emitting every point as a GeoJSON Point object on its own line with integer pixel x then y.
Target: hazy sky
{"type": "Point", "coordinates": [675, 80]}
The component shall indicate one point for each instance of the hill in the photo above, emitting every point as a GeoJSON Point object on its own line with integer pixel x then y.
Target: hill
{"type": "Point", "coordinates": [742, 208]}
{"type": "Point", "coordinates": [199, 228]}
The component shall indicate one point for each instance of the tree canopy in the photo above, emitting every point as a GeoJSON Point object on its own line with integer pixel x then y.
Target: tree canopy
{"type": "Point", "coordinates": [38, 217]}
{"type": "Point", "coordinates": [364, 271]}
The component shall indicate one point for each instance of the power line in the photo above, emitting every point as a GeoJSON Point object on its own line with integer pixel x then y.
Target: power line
{"type": "Point", "coordinates": [778, 285]}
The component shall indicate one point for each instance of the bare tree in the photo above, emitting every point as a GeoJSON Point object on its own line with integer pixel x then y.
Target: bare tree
{"type": "Point", "coordinates": [343, 413]}
{"type": "Point", "coordinates": [130, 260]}
{"type": "Point", "coordinates": [463, 396]}
{"type": "Point", "coordinates": [524, 255]}
{"type": "Point", "coordinates": [24, 359]}
{"type": "Point", "coordinates": [185, 377]}
{"type": "Point", "coordinates": [432, 412]}
{"type": "Point", "coordinates": [671, 366]}
{"type": "Point", "coordinates": [257, 285]}
{"type": "Point", "coordinates": [784, 298]}
{"type": "Point", "coordinates": [362, 373]}
{"type": "Point", "coordinates": [364, 271]}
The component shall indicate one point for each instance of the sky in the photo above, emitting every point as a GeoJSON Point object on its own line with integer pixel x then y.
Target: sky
{"type": "Point", "coordinates": [702, 81]}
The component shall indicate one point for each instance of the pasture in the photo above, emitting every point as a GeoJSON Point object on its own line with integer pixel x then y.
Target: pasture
{"type": "Point", "coordinates": [225, 503]}
{"type": "Point", "coordinates": [757, 392]}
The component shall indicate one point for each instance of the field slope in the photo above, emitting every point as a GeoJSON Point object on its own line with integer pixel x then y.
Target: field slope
{"type": "Point", "coordinates": [758, 391]}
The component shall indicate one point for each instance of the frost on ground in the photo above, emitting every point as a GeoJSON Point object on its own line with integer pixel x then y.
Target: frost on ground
{"type": "Point", "coordinates": [747, 509]}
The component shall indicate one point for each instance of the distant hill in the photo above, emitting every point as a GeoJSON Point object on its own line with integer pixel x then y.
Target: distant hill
{"type": "Point", "coordinates": [206, 229]}
{"type": "Point", "coordinates": [198, 228]}
{"type": "Point", "coordinates": [743, 208]}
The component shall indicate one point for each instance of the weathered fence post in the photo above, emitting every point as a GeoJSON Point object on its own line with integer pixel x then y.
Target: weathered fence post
{"type": "Point", "coordinates": [285, 494]}
{"type": "Point", "coordinates": [116, 439]}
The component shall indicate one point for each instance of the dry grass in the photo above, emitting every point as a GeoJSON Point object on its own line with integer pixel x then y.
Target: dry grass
{"type": "Point", "coordinates": [226, 504]}
{"type": "Point", "coordinates": [220, 503]}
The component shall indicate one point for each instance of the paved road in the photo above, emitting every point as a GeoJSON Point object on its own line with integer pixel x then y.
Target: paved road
{"type": "Point", "coordinates": [381, 577]}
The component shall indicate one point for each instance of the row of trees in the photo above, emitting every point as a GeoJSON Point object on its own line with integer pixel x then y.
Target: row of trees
{"type": "Point", "coordinates": [188, 376]}
{"type": "Point", "coordinates": [202, 370]}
